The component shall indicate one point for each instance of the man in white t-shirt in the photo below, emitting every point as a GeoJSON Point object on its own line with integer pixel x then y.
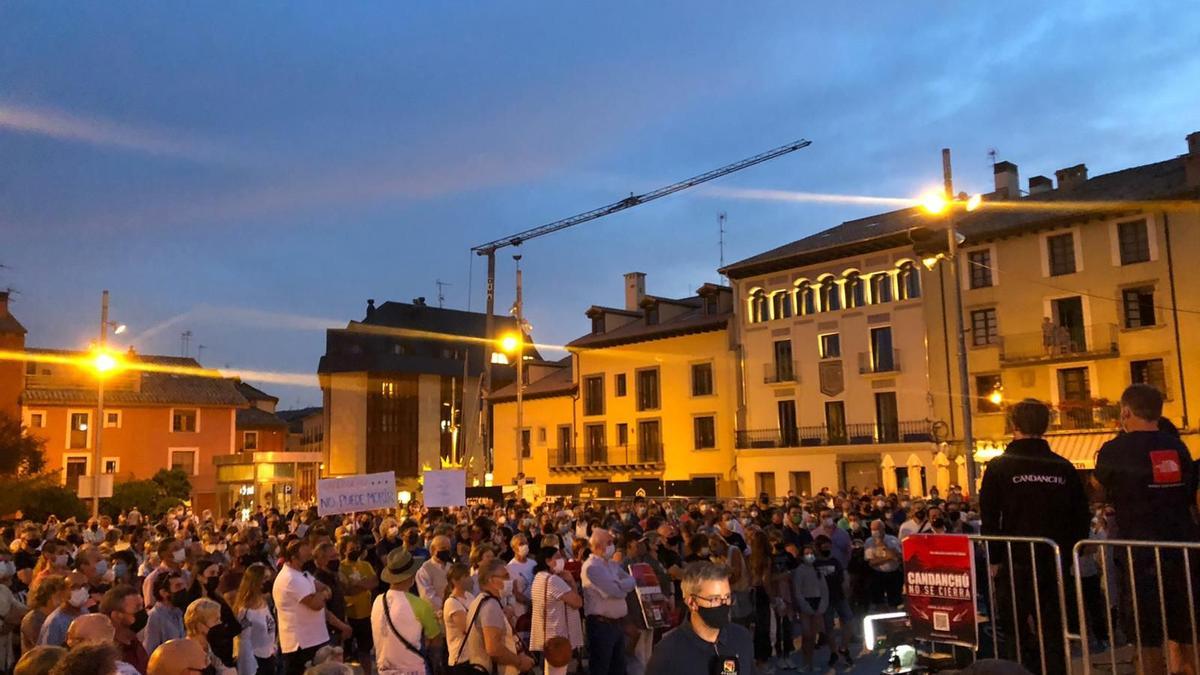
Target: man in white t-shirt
{"type": "Point", "coordinates": [300, 604]}
{"type": "Point", "coordinates": [520, 569]}
{"type": "Point", "coordinates": [401, 622]}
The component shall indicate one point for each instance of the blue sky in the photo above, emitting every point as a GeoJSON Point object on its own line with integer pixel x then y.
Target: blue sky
{"type": "Point", "coordinates": [253, 172]}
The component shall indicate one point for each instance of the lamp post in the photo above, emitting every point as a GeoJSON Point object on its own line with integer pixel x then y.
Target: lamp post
{"type": "Point", "coordinates": [103, 363]}
{"type": "Point", "coordinates": [947, 203]}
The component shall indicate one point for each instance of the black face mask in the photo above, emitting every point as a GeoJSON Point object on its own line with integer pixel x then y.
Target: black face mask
{"type": "Point", "coordinates": [209, 670]}
{"type": "Point", "coordinates": [445, 556]}
{"type": "Point", "coordinates": [953, 516]}
{"type": "Point", "coordinates": [715, 617]}
{"type": "Point", "coordinates": [938, 522]}
{"type": "Point", "coordinates": [210, 584]}
{"type": "Point", "coordinates": [310, 567]}
{"type": "Point", "coordinates": [139, 621]}
{"type": "Point", "coordinates": [181, 599]}
{"type": "Point", "coordinates": [674, 541]}
{"type": "Point", "coordinates": [352, 554]}
{"type": "Point", "coordinates": [333, 565]}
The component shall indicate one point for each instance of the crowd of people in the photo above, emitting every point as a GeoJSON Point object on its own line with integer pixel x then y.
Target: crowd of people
{"type": "Point", "coordinates": [750, 586]}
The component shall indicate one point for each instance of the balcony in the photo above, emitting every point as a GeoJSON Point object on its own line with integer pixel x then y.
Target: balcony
{"type": "Point", "coordinates": [1060, 344]}
{"type": "Point", "coordinates": [781, 372]}
{"type": "Point", "coordinates": [867, 433]}
{"type": "Point", "coordinates": [623, 458]}
{"type": "Point", "coordinates": [870, 363]}
{"type": "Point", "coordinates": [1085, 416]}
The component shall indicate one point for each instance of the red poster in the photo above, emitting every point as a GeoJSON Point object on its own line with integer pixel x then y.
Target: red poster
{"type": "Point", "coordinates": [655, 610]}
{"type": "Point", "coordinates": [939, 588]}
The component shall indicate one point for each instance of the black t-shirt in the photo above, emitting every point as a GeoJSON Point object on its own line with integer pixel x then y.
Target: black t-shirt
{"type": "Point", "coordinates": [831, 571]}
{"type": "Point", "coordinates": [1150, 479]}
{"type": "Point", "coordinates": [735, 539]}
{"type": "Point", "coordinates": [682, 651]}
{"type": "Point", "coordinates": [799, 536]}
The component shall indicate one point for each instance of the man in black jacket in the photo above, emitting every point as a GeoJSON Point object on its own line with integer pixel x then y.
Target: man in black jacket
{"type": "Point", "coordinates": [1031, 492]}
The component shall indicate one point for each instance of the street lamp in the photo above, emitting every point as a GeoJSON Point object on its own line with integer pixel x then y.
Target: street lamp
{"type": "Point", "coordinates": [944, 203]}
{"type": "Point", "coordinates": [104, 364]}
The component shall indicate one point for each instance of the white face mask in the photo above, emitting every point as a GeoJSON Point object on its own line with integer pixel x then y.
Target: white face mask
{"type": "Point", "coordinates": [523, 550]}
{"type": "Point", "coordinates": [101, 567]}
{"type": "Point", "coordinates": [609, 551]}
{"type": "Point", "coordinates": [557, 565]}
{"type": "Point", "coordinates": [508, 586]}
{"type": "Point", "coordinates": [7, 569]}
{"type": "Point", "coordinates": [79, 597]}
{"type": "Point", "coordinates": [60, 560]}
{"type": "Point", "coordinates": [179, 555]}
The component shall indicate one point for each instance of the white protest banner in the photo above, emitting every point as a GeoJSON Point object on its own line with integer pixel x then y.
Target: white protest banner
{"type": "Point", "coordinates": [445, 488]}
{"type": "Point", "coordinates": [368, 492]}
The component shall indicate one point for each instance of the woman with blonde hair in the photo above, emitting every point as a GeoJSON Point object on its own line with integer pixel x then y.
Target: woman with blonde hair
{"type": "Point", "coordinates": [47, 593]}
{"type": "Point", "coordinates": [202, 616]}
{"type": "Point", "coordinates": [256, 644]}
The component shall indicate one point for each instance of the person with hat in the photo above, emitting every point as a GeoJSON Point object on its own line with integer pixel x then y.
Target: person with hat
{"type": "Point", "coordinates": [401, 622]}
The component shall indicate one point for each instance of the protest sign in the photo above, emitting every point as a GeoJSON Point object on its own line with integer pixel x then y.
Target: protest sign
{"type": "Point", "coordinates": [655, 612]}
{"type": "Point", "coordinates": [368, 492]}
{"type": "Point", "coordinates": [445, 488]}
{"type": "Point", "coordinates": [939, 585]}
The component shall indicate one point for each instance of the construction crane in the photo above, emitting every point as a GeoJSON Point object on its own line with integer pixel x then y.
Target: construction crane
{"type": "Point", "coordinates": [489, 249]}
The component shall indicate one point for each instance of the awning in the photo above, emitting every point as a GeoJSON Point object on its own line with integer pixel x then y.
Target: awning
{"type": "Point", "coordinates": [1080, 449]}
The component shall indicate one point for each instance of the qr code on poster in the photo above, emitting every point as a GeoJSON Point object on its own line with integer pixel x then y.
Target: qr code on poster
{"type": "Point", "coordinates": [941, 621]}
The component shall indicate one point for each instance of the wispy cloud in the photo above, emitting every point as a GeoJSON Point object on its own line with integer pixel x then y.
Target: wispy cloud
{"type": "Point", "coordinates": [65, 126]}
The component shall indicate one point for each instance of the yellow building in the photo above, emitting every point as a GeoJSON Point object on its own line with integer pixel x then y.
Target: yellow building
{"type": "Point", "coordinates": [836, 390]}
{"type": "Point", "coordinates": [644, 402]}
{"type": "Point", "coordinates": [1075, 291]}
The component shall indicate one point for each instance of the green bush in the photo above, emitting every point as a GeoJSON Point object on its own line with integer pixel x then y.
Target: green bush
{"type": "Point", "coordinates": [36, 497]}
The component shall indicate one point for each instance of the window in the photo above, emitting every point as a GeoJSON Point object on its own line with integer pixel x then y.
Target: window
{"type": "Point", "coordinates": [784, 372]}
{"type": "Point", "coordinates": [806, 299]}
{"type": "Point", "coordinates": [525, 450]}
{"type": "Point", "coordinates": [647, 389]}
{"type": "Point", "coordinates": [652, 314]}
{"type": "Point", "coordinates": [702, 379]}
{"type": "Point", "coordinates": [619, 385]}
{"type": "Point", "coordinates": [883, 357]}
{"type": "Point", "coordinates": [830, 345]}
{"type": "Point", "coordinates": [764, 483]}
{"type": "Point", "coordinates": [979, 268]}
{"type": "Point", "coordinates": [855, 294]}
{"type": "Point", "coordinates": [711, 304]}
{"type": "Point", "coordinates": [789, 435]}
{"type": "Point", "coordinates": [984, 330]}
{"type": "Point", "coordinates": [37, 420]}
{"type": "Point", "coordinates": [1151, 372]}
{"type": "Point", "coordinates": [987, 394]}
{"type": "Point", "coordinates": [781, 305]}
{"type": "Point", "coordinates": [649, 441]}
{"type": "Point", "coordinates": [622, 434]}
{"type": "Point", "coordinates": [183, 420]}
{"type": "Point", "coordinates": [112, 419]}
{"type": "Point", "coordinates": [1133, 241]}
{"type": "Point", "coordinates": [908, 282]}
{"type": "Point", "coordinates": [597, 324]}
{"type": "Point", "coordinates": [184, 460]}
{"type": "Point", "coordinates": [593, 395]}
{"type": "Point", "coordinates": [79, 435]}
{"type": "Point", "coordinates": [1139, 307]}
{"type": "Point", "coordinates": [887, 418]}
{"type": "Point", "coordinates": [1061, 251]}
{"type": "Point", "coordinates": [835, 421]}
{"type": "Point", "coordinates": [758, 306]}
{"type": "Point", "coordinates": [800, 482]}
{"type": "Point", "coordinates": [831, 297]}
{"type": "Point", "coordinates": [74, 468]}
{"type": "Point", "coordinates": [31, 367]}
{"type": "Point", "coordinates": [881, 288]}
{"type": "Point", "coordinates": [250, 440]}
{"type": "Point", "coordinates": [112, 465]}
{"type": "Point", "coordinates": [704, 430]}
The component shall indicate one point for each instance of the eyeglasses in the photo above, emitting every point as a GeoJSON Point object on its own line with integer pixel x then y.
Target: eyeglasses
{"type": "Point", "coordinates": [715, 600]}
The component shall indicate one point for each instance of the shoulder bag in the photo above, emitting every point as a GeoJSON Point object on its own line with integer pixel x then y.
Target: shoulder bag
{"type": "Point", "coordinates": [456, 666]}
{"type": "Point", "coordinates": [557, 649]}
{"type": "Point", "coordinates": [387, 613]}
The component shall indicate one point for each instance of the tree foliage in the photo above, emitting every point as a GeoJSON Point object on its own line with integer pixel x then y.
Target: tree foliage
{"type": "Point", "coordinates": [153, 497]}
{"type": "Point", "coordinates": [37, 497]}
{"type": "Point", "coordinates": [174, 483]}
{"type": "Point", "coordinates": [20, 453]}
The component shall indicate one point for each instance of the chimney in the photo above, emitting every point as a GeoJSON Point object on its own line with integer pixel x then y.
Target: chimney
{"type": "Point", "coordinates": [1008, 183]}
{"type": "Point", "coordinates": [1071, 177]}
{"type": "Point", "coordinates": [1040, 184]}
{"type": "Point", "coordinates": [370, 309]}
{"type": "Point", "coordinates": [419, 302]}
{"type": "Point", "coordinates": [635, 290]}
{"type": "Point", "coordinates": [1191, 161]}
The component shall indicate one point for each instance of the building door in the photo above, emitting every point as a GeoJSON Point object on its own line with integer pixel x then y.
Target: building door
{"type": "Point", "coordinates": [788, 435]}
{"type": "Point", "coordinates": [565, 439]}
{"type": "Point", "coordinates": [76, 467]}
{"type": "Point", "coordinates": [887, 419]}
{"type": "Point", "coordinates": [1068, 313]}
{"type": "Point", "coordinates": [783, 361]}
{"type": "Point", "coordinates": [596, 452]}
{"type": "Point", "coordinates": [801, 482]}
{"type": "Point", "coordinates": [863, 474]}
{"type": "Point", "coordinates": [764, 482]}
{"type": "Point", "coordinates": [649, 441]}
{"type": "Point", "coordinates": [835, 422]}
{"type": "Point", "coordinates": [1075, 396]}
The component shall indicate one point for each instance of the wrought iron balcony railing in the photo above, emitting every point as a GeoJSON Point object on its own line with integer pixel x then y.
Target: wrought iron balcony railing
{"type": "Point", "coordinates": [865, 433]}
{"type": "Point", "coordinates": [643, 457]}
{"type": "Point", "coordinates": [1060, 343]}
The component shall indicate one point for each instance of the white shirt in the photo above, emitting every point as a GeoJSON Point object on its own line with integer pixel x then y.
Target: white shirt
{"type": "Point", "coordinates": [523, 570]}
{"type": "Point", "coordinates": [391, 656]}
{"type": "Point", "coordinates": [431, 582]}
{"type": "Point", "coordinates": [454, 636]}
{"type": "Point", "coordinates": [299, 626]}
{"type": "Point", "coordinates": [261, 635]}
{"type": "Point", "coordinates": [605, 586]}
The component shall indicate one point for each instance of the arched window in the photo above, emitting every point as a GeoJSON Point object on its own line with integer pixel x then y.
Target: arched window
{"type": "Point", "coordinates": [758, 306]}
{"type": "Point", "coordinates": [855, 293]}
{"type": "Point", "coordinates": [908, 282]}
{"type": "Point", "coordinates": [831, 296]}
{"type": "Point", "coordinates": [881, 288]}
{"type": "Point", "coordinates": [806, 299]}
{"type": "Point", "coordinates": [781, 305]}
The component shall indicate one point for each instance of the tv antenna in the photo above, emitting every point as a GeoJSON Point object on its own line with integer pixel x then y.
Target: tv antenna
{"type": "Point", "coordinates": [185, 341]}
{"type": "Point", "coordinates": [721, 231]}
{"type": "Point", "coordinates": [441, 286]}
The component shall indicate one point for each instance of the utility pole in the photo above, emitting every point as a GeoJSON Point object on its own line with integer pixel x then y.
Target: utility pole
{"type": "Point", "coordinates": [961, 342]}
{"type": "Point", "coordinates": [185, 342]}
{"type": "Point", "coordinates": [721, 241]}
{"type": "Point", "coordinates": [519, 311]}
{"type": "Point", "coordinates": [485, 385]}
{"type": "Point", "coordinates": [103, 346]}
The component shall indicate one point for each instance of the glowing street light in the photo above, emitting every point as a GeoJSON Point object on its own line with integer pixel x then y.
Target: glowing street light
{"type": "Point", "coordinates": [104, 362]}
{"type": "Point", "coordinates": [404, 496]}
{"type": "Point", "coordinates": [934, 202]}
{"type": "Point", "coordinates": [996, 397]}
{"type": "Point", "coordinates": [510, 343]}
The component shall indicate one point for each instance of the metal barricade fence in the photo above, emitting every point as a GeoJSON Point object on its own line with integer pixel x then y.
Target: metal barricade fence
{"type": "Point", "coordinates": [1134, 570]}
{"type": "Point", "coordinates": [1038, 562]}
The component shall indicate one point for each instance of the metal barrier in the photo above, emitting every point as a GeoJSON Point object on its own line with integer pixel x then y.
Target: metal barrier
{"type": "Point", "coordinates": [1130, 560]}
{"type": "Point", "coordinates": [1040, 553]}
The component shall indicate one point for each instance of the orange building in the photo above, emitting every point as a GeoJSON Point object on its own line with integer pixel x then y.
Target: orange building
{"type": "Point", "coordinates": [152, 419]}
{"type": "Point", "coordinates": [12, 338]}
